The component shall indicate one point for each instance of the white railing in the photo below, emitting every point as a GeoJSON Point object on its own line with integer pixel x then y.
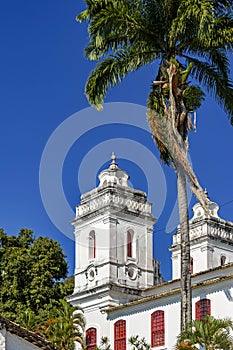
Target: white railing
{"type": "Point", "coordinates": [117, 200]}
{"type": "Point", "coordinates": [216, 230]}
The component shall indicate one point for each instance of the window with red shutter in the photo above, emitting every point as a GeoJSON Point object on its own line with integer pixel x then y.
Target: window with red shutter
{"type": "Point", "coordinates": [92, 245]}
{"type": "Point", "coordinates": [129, 244]}
{"type": "Point", "coordinates": [91, 338]}
{"type": "Point", "coordinates": [120, 335]}
{"type": "Point", "coordinates": [202, 308]}
{"type": "Point", "coordinates": [157, 329]}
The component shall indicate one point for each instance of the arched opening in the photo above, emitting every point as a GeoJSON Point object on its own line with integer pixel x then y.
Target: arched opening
{"type": "Point", "coordinates": [92, 245]}
{"type": "Point", "coordinates": [157, 329]}
{"type": "Point", "coordinates": [91, 338]}
{"type": "Point", "coordinates": [223, 260]}
{"type": "Point", "coordinates": [120, 335]}
{"type": "Point", "coordinates": [202, 308]}
{"type": "Point", "coordinates": [129, 243]}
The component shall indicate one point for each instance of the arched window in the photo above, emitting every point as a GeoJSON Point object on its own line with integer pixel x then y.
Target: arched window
{"type": "Point", "coordinates": [191, 265]}
{"type": "Point", "coordinates": [91, 338]}
{"type": "Point", "coordinates": [120, 335]}
{"type": "Point", "coordinates": [92, 245]}
{"type": "Point", "coordinates": [223, 260]}
{"type": "Point", "coordinates": [129, 243]}
{"type": "Point", "coordinates": [157, 329]}
{"type": "Point", "coordinates": [202, 308]}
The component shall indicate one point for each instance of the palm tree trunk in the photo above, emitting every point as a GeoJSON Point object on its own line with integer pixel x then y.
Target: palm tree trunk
{"type": "Point", "coordinates": [185, 280]}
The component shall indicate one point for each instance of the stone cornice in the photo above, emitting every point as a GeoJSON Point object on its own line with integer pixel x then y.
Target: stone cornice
{"type": "Point", "coordinates": [110, 262]}
{"type": "Point", "coordinates": [169, 293]}
{"type": "Point", "coordinates": [208, 228]}
{"type": "Point", "coordinates": [116, 200]}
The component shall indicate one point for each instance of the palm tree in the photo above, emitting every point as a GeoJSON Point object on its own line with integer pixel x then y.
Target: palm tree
{"type": "Point", "coordinates": [190, 41]}
{"type": "Point", "coordinates": [66, 328]}
{"type": "Point", "coordinates": [209, 333]}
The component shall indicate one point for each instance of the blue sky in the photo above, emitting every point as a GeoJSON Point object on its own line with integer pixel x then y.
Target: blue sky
{"type": "Point", "coordinates": [43, 73]}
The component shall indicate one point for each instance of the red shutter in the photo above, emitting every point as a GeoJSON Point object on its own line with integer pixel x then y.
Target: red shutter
{"type": "Point", "coordinates": [120, 335]}
{"type": "Point", "coordinates": [92, 245]}
{"type": "Point", "coordinates": [202, 308]}
{"type": "Point", "coordinates": [129, 244]}
{"type": "Point", "coordinates": [157, 329]}
{"type": "Point", "coordinates": [91, 338]}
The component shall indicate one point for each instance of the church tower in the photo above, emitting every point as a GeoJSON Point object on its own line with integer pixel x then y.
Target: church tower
{"type": "Point", "coordinates": [113, 230]}
{"type": "Point", "coordinates": [211, 241]}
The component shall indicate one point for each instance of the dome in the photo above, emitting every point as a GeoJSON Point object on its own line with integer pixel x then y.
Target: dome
{"type": "Point", "coordinates": [113, 175]}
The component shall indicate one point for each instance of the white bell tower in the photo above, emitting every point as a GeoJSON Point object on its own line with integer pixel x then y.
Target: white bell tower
{"type": "Point", "coordinates": [113, 238]}
{"type": "Point", "coordinates": [211, 241]}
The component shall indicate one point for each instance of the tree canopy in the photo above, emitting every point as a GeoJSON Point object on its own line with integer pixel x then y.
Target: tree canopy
{"type": "Point", "coordinates": [32, 271]}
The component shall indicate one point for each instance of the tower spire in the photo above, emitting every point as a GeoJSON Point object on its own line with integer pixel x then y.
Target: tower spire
{"type": "Point", "coordinates": [113, 165]}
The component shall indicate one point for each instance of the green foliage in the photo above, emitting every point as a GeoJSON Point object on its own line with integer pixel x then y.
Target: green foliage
{"type": "Point", "coordinates": [127, 34]}
{"type": "Point", "coordinates": [104, 344]}
{"type": "Point", "coordinates": [209, 333]}
{"type": "Point", "coordinates": [31, 270]}
{"type": "Point", "coordinates": [193, 96]}
{"type": "Point", "coordinates": [137, 343]}
{"type": "Point", "coordinates": [65, 327]}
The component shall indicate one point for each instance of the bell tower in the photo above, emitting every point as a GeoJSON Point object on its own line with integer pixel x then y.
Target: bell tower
{"type": "Point", "coordinates": [211, 241]}
{"type": "Point", "coordinates": [113, 230]}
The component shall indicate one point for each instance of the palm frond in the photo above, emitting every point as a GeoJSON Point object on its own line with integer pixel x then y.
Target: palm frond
{"type": "Point", "coordinates": [119, 24]}
{"type": "Point", "coordinates": [215, 83]}
{"type": "Point", "coordinates": [110, 71]}
{"type": "Point", "coordinates": [193, 17]}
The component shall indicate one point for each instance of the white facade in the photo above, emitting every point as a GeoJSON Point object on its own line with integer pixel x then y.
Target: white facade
{"type": "Point", "coordinates": [114, 273]}
{"type": "Point", "coordinates": [211, 241]}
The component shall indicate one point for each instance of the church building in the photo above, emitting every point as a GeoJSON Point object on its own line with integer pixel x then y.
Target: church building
{"type": "Point", "coordinates": [117, 281]}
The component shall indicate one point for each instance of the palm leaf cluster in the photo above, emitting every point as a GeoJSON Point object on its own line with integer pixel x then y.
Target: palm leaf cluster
{"type": "Point", "coordinates": [209, 333]}
{"type": "Point", "coordinates": [128, 34]}
{"type": "Point", "coordinates": [137, 343]}
{"type": "Point", "coordinates": [66, 328]}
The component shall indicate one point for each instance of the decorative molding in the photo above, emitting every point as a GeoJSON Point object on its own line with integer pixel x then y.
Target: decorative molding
{"type": "Point", "coordinates": [208, 229]}
{"type": "Point", "coordinates": [116, 200]}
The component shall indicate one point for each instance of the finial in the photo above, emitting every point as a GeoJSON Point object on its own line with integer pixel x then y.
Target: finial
{"type": "Point", "coordinates": [113, 157]}
{"type": "Point", "coordinates": [113, 165]}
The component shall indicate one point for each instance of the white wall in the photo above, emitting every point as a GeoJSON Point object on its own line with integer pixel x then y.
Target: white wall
{"type": "Point", "coordinates": [138, 317]}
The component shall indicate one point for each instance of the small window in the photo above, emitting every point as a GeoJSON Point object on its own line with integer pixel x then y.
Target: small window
{"type": "Point", "coordinates": [157, 329]}
{"type": "Point", "coordinates": [202, 308]}
{"type": "Point", "coordinates": [191, 265]}
{"type": "Point", "coordinates": [91, 339]}
{"type": "Point", "coordinates": [129, 243]}
{"type": "Point", "coordinates": [223, 260]}
{"type": "Point", "coordinates": [92, 245]}
{"type": "Point", "coordinates": [120, 335]}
